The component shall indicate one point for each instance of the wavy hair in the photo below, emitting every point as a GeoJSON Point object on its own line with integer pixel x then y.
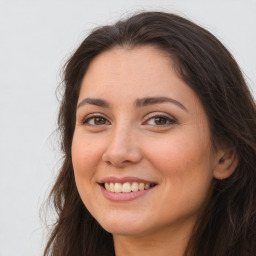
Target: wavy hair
{"type": "Point", "coordinates": [228, 224]}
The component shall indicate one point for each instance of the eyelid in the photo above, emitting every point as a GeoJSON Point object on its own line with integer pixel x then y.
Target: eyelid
{"type": "Point", "coordinates": [85, 119]}
{"type": "Point", "coordinates": [170, 118]}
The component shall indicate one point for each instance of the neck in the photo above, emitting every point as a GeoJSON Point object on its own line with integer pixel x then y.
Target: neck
{"type": "Point", "coordinates": [168, 241]}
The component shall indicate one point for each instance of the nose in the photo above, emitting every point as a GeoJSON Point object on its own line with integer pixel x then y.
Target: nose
{"type": "Point", "coordinates": [123, 148]}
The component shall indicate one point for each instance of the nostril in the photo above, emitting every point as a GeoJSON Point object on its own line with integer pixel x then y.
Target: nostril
{"type": "Point", "coordinates": [126, 161]}
{"type": "Point", "coordinates": [121, 158]}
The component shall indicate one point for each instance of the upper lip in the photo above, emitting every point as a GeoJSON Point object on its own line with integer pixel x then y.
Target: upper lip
{"type": "Point", "coordinates": [114, 179]}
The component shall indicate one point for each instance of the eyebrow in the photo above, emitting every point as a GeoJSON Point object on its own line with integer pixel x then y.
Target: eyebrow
{"type": "Point", "coordinates": [156, 100]}
{"type": "Point", "coordinates": [92, 101]}
{"type": "Point", "coordinates": [138, 103]}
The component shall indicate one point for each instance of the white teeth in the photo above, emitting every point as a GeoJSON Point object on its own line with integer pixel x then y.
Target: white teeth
{"type": "Point", "coordinates": [135, 186]}
{"type": "Point", "coordinates": [141, 186]}
{"type": "Point", "coordinates": [126, 187]}
{"type": "Point", "coordinates": [118, 187]}
{"type": "Point", "coordinates": [112, 187]}
{"type": "Point", "coordinates": [147, 186]}
{"type": "Point", "coordinates": [107, 186]}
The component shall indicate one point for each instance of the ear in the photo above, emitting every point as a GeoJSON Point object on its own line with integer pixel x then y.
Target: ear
{"type": "Point", "coordinates": [227, 161]}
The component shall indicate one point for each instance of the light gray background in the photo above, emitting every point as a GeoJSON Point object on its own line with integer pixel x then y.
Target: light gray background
{"type": "Point", "coordinates": [36, 37]}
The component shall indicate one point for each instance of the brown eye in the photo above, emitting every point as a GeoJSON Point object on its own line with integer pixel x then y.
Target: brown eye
{"type": "Point", "coordinates": [95, 121]}
{"type": "Point", "coordinates": [99, 120]}
{"type": "Point", "coordinates": [160, 120]}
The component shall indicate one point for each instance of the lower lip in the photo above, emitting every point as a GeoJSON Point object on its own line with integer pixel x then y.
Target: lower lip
{"type": "Point", "coordinates": [124, 196]}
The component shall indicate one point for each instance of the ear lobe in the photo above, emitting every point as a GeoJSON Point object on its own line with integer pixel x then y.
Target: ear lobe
{"type": "Point", "coordinates": [226, 165]}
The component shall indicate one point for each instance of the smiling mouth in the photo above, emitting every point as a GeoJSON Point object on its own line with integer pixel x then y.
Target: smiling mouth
{"type": "Point", "coordinates": [126, 187]}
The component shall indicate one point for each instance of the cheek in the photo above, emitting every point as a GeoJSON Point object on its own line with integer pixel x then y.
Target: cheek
{"type": "Point", "coordinates": [175, 153]}
{"type": "Point", "coordinates": [85, 157]}
{"type": "Point", "coordinates": [186, 173]}
{"type": "Point", "coordinates": [85, 154]}
{"type": "Point", "coordinates": [184, 162]}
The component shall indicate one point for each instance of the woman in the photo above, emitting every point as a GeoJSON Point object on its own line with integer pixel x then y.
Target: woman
{"type": "Point", "coordinates": [158, 133]}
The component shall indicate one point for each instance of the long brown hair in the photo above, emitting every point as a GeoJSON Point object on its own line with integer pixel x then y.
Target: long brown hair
{"type": "Point", "coordinates": [228, 225]}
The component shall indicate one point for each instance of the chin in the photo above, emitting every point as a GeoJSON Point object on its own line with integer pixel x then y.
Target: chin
{"type": "Point", "coordinates": [122, 230]}
{"type": "Point", "coordinates": [123, 226]}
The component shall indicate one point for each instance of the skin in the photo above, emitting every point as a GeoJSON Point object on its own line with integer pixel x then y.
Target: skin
{"type": "Point", "coordinates": [175, 151]}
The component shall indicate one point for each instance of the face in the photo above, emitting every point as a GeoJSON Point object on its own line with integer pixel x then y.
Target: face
{"type": "Point", "coordinates": [141, 151]}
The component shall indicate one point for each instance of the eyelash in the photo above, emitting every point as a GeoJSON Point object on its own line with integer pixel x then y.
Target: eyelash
{"type": "Point", "coordinates": [167, 119]}
{"type": "Point", "coordinates": [93, 117]}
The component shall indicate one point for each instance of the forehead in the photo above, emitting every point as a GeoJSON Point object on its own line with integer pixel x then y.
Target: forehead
{"type": "Point", "coordinates": [123, 74]}
{"type": "Point", "coordinates": [135, 61]}
{"type": "Point", "coordinates": [140, 68]}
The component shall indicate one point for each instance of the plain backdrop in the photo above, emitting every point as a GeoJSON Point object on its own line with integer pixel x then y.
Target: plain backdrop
{"type": "Point", "coordinates": [36, 37]}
